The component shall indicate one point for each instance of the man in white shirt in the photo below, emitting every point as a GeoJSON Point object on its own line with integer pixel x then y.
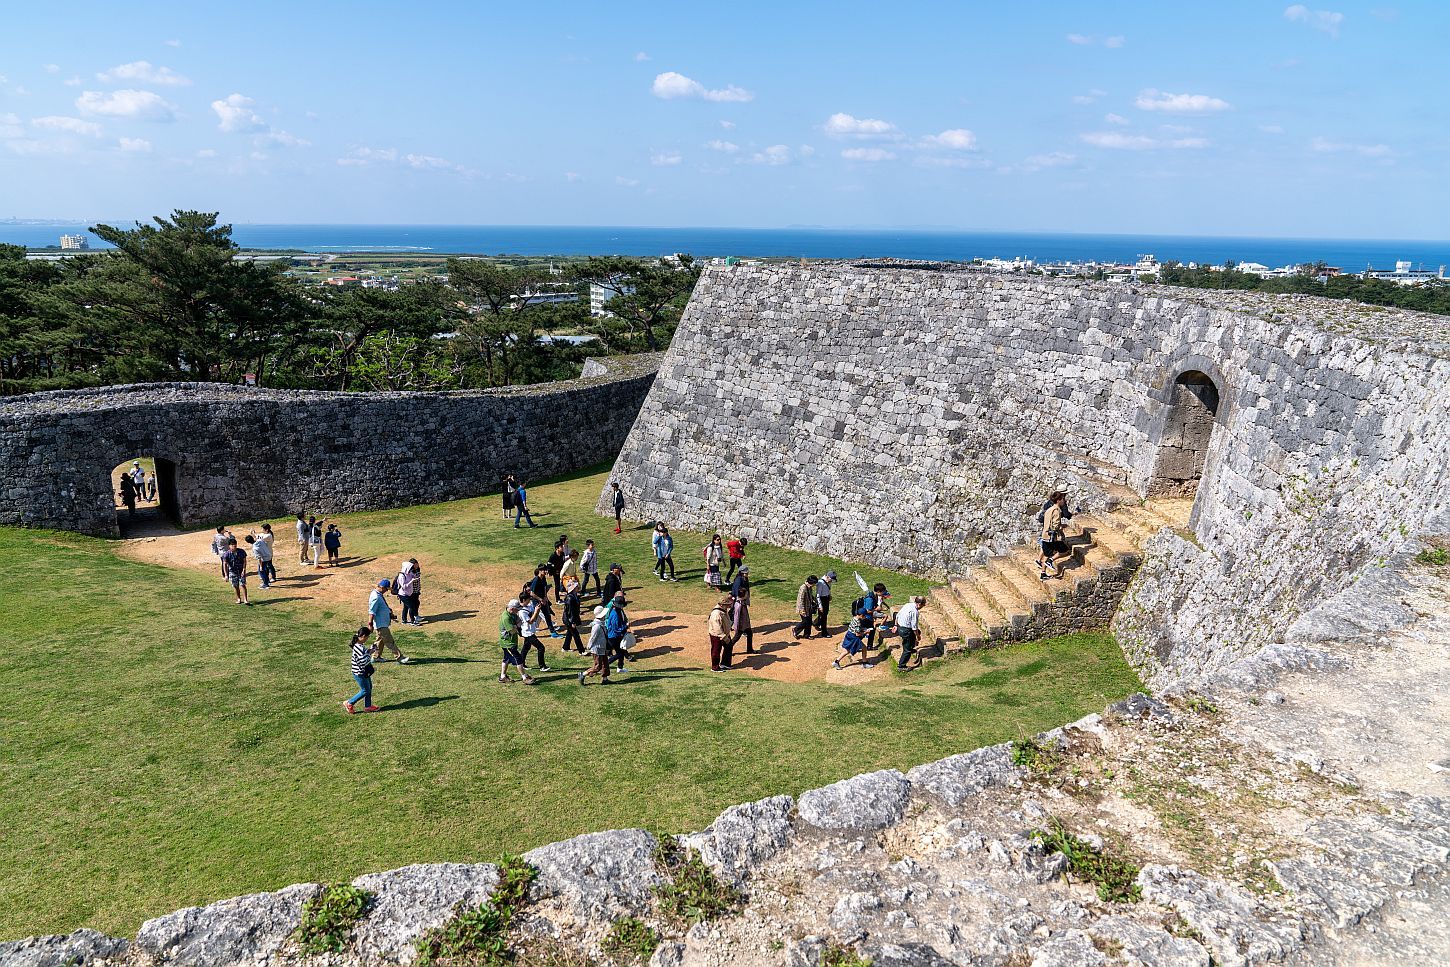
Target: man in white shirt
{"type": "Point", "coordinates": [908, 626]}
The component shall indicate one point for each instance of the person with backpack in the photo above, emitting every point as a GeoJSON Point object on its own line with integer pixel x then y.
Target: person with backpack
{"type": "Point", "coordinates": [823, 600]}
{"type": "Point", "coordinates": [405, 586]}
{"type": "Point", "coordinates": [1051, 540]}
{"type": "Point", "coordinates": [854, 641]}
{"type": "Point", "coordinates": [538, 588]}
{"type": "Point", "coordinates": [509, 626]}
{"type": "Point", "coordinates": [740, 618]}
{"type": "Point", "coordinates": [380, 620]}
{"type": "Point", "coordinates": [618, 507]}
{"type": "Point", "coordinates": [521, 506]}
{"type": "Point", "coordinates": [361, 663]}
{"type": "Point", "coordinates": [616, 626]}
{"type": "Point", "coordinates": [805, 608]}
{"type": "Point", "coordinates": [332, 540]}
{"type": "Point", "coordinates": [714, 555]}
{"type": "Point", "coordinates": [664, 548]}
{"type": "Point", "coordinates": [875, 612]}
{"type": "Point", "coordinates": [735, 549]}
{"type": "Point", "coordinates": [721, 632]}
{"type": "Point", "coordinates": [598, 648]}
{"type": "Point", "coordinates": [234, 561]}
{"type": "Point", "coordinates": [571, 615]}
{"type": "Point", "coordinates": [613, 584]}
{"type": "Point", "coordinates": [530, 611]}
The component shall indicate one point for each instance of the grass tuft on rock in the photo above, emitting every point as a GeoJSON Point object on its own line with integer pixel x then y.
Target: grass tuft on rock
{"type": "Point", "coordinates": [328, 918]}
{"type": "Point", "coordinates": [1041, 760]}
{"type": "Point", "coordinates": [1115, 878]}
{"type": "Point", "coordinates": [630, 938]}
{"type": "Point", "coordinates": [691, 893]}
{"type": "Point", "coordinates": [479, 936]}
{"type": "Point", "coordinates": [834, 956]}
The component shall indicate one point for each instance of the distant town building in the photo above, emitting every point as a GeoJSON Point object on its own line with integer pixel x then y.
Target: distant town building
{"type": "Point", "coordinates": [74, 242]}
{"type": "Point", "coordinates": [1405, 274]}
{"type": "Point", "coordinates": [600, 294]}
{"type": "Point", "coordinates": [1146, 265]}
{"type": "Point", "coordinates": [547, 295]}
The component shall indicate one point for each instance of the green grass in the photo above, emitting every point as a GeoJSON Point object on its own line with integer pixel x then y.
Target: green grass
{"type": "Point", "coordinates": [160, 747]}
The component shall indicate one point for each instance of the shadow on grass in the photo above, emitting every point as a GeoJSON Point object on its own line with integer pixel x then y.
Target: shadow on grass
{"type": "Point", "coordinates": [451, 616]}
{"type": "Point", "coordinates": [448, 661]}
{"type": "Point", "coordinates": [264, 602]}
{"type": "Point", "coordinates": [353, 562]}
{"type": "Point", "coordinates": [428, 702]}
{"type": "Point", "coordinates": [654, 652]}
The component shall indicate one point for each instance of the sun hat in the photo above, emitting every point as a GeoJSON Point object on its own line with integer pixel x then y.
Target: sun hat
{"type": "Point", "coordinates": [601, 611]}
{"type": "Point", "coordinates": [514, 603]}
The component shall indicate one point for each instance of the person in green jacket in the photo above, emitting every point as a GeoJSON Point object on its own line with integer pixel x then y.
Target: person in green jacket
{"type": "Point", "coordinates": [508, 639]}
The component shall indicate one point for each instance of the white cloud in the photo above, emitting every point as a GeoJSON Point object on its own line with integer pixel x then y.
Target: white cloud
{"type": "Point", "coordinates": [1364, 150]}
{"type": "Point", "coordinates": [143, 72]}
{"type": "Point", "coordinates": [1089, 97]}
{"type": "Point", "coordinates": [1152, 100]}
{"type": "Point", "coordinates": [1082, 40]}
{"type": "Point", "coordinates": [776, 154]}
{"type": "Point", "coordinates": [624, 182]}
{"type": "Point", "coordinates": [1326, 21]}
{"type": "Point", "coordinates": [52, 68]}
{"type": "Point", "coordinates": [73, 81]}
{"type": "Point", "coordinates": [1115, 41]}
{"type": "Point", "coordinates": [280, 139]}
{"type": "Point", "coordinates": [867, 154]}
{"type": "Point", "coordinates": [728, 125]}
{"type": "Point", "coordinates": [365, 156]}
{"type": "Point", "coordinates": [172, 43]}
{"type": "Point", "coordinates": [641, 57]}
{"type": "Point", "coordinates": [1138, 142]}
{"type": "Point", "coordinates": [664, 159]}
{"type": "Point", "coordinates": [842, 125]}
{"type": "Point", "coordinates": [957, 139]}
{"type": "Point", "coordinates": [139, 145]}
{"type": "Point", "coordinates": [234, 113]}
{"type": "Point", "coordinates": [1054, 159]}
{"type": "Point", "coordinates": [206, 153]}
{"type": "Point", "coordinates": [806, 151]}
{"type": "Point", "coordinates": [10, 127]}
{"type": "Point", "coordinates": [729, 147]}
{"type": "Point", "coordinates": [572, 176]}
{"type": "Point", "coordinates": [671, 85]}
{"type": "Point", "coordinates": [952, 161]}
{"type": "Point", "coordinates": [67, 125]}
{"type": "Point", "coordinates": [426, 161]}
{"type": "Point", "coordinates": [1271, 128]}
{"type": "Point", "coordinates": [1091, 40]}
{"type": "Point", "coordinates": [1115, 119]}
{"type": "Point", "coordinates": [126, 103]}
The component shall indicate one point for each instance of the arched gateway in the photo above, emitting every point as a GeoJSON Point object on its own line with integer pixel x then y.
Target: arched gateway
{"type": "Point", "coordinates": [1183, 448]}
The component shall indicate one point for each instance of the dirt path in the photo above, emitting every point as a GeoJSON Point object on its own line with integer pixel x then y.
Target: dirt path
{"type": "Point", "coordinates": [467, 602]}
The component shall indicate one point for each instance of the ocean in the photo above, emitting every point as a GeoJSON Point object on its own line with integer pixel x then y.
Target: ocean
{"type": "Point", "coordinates": [1349, 254]}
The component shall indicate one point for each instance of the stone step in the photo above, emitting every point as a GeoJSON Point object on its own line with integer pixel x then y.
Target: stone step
{"type": "Point", "coordinates": [981, 606]}
{"type": "Point", "coordinates": [1105, 534]}
{"type": "Point", "coordinates": [1025, 586]}
{"type": "Point", "coordinates": [969, 633]}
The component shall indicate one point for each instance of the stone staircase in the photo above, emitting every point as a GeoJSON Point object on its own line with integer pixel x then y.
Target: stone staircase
{"type": "Point", "coordinates": [1006, 600]}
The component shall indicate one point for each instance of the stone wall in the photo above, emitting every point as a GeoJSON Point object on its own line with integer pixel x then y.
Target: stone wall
{"type": "Point", "coordinates": [241, 453]}
{"type": "Point", "coordinates": [907, 417]}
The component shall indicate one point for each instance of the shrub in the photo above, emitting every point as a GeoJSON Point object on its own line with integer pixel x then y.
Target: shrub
{"type": "Point", "coordinates": [833, 956]}
{"type": "Point", "coordinates": [328, 918]}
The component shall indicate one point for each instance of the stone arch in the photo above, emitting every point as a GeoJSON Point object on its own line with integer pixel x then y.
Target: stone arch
{"type": "Point", "coordinates": [1195, 402]}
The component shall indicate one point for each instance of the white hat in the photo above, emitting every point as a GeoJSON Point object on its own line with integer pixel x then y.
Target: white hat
{"type": "Point", "coordinates": [601, 611]}
{"type": "Point", "coordinates": [513, 603]}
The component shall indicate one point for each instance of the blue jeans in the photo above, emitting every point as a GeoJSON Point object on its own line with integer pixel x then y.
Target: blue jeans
{"type": "Point", "coordinates": [523, 512]}
{"type": "Point", "coordinates": [364, 690]}
{"type": "Point", "coordinates": [267, 571]}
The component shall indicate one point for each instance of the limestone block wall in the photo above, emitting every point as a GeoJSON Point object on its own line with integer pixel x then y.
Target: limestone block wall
{"type": "Point", "coordinates": [909, 417]}
{"type": "Point", "coordinates": [242, 452]}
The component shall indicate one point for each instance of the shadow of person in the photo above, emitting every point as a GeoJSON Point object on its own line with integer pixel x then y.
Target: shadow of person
{"type": "Point", "coordinates": [654, 652]}
{"type": "Point", "coordinates": [263, 602]}
{"type": "Point", "coordinates": [447, 661]}
{"type": "Point", "coordinates": [353, 561]}
{"type": "Point", "coordinates": [428, 702]}
{"type": "Point", "coordinates": [451, 615]}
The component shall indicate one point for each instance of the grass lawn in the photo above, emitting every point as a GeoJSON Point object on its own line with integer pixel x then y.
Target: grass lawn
{"type": "Point", "coordinates": [161, 747]}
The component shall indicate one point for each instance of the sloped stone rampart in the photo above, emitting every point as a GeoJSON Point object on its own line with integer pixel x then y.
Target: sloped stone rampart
{"type": "Point", "coordinates": [243, 453]}
{"type": "Point", "coordinates": [908, 418]}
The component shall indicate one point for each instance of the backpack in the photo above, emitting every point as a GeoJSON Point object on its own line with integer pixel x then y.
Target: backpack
{"type": "Point", "coordinates": [858, 605]}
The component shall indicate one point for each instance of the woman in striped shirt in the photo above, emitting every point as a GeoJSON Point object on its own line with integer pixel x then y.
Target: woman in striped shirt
{"type": "Point", "coordinates": [362, 671]}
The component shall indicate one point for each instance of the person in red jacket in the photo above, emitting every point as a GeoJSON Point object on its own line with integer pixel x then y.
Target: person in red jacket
{"type": "Point", "coordinates": [735, 548]}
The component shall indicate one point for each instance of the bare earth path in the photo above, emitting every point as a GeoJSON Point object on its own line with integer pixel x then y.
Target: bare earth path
{"type": "Point", "coordinates": [467, 602]}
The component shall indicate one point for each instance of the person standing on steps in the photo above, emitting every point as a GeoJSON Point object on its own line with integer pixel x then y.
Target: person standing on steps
{"type": "Point", "coordinates": [598, 648]}
{"type": "Point", "coordinates": [735, 548]}
{"type": "Point", "coordinates": [664, 548]}
{"type": "Point", "coordinates": [304, 538]}
{"type": "Point", "coordinates": [521, 506]}
{"type": "Point", "coordinates": [714, 556]}
{"type": "Point", "coordinates": [740, 618]}
{"type": "Point", "coordinates": [530, 610]}
{"type": "Point", "coordinates": [262, 547]}
{"type": "Point", "coordinates": [589, 568]}
{"type": "Point", "coordinates": [908, 626]}
{"type": "Point", "coordinates": [613, 584]}
{"type": "Point", "coordinates": [362, 672]}
{"type": "Point", "coordinates": [823, 600]}
{"type": "Point", "coordinates": [721, 632]}
{"type": "Point", "coordinates": [380, 620]}
{"type": "Point", "coordinates": [1052, 540]}
{"type": "Point", "coordinates": [805, 608]}
{"type": "Point", "coordinates": [618, 508]}
{"type": "Point", "coordinates": [571, 615]}
{"type": "Point", "coordinates": [235, 563]}
{"type": "Point", "coordinates": [509, 625]}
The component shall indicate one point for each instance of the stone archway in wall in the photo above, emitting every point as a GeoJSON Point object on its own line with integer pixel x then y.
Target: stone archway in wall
{"type": "Point", "coordinates": [1194, 404]}
{"type": "Point", "coordinates": [155, 506]}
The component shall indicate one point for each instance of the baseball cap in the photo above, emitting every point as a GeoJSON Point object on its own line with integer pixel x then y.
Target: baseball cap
{"type": "Point", "coordinates": [745, 569]}
{"type": "Point", "coordinates": [385, 583]}
{"type": "Point", "coordinates": [831, 575]}
{"type": "Point", "coordinates": [514, 603]}
{"type": "Point", "coordinates": [616, 564]}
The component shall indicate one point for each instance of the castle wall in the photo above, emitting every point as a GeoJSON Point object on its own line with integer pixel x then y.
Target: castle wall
{"type": "Point", "coordinates": [909, 417]}
{"type": "Point", "coordinates": [245, 453]}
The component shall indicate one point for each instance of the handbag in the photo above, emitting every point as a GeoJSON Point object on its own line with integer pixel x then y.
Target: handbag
{"type": "Point", "coordinates": [627, 642]}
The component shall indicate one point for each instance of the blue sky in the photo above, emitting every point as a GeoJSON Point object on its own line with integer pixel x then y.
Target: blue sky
{"type": "Point", "coordinates": [1209, 118]}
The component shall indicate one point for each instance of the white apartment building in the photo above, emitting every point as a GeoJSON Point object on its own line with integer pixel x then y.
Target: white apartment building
{"type": "Point", "coordinates": [598, 295]}
{"type": "Point", "coordinates": [1404, 273]}
{"type": "Point", "coordinates": [74, 242]}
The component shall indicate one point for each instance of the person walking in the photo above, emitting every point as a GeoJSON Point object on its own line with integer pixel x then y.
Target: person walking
{"type": "Point", "coordinates": [538, 589]}
{"type": "Point", "coordinates": [521, 506]}
{"type": "Point", "coordinates": [908, 626]}
{"type": "Point", "coordinates": [380, 620]}
{"type": "Point", "coordinates": [714, 555]}
{"type": "Point", "coordinates": [304, 539]}
{"type": "Point", "coordinates": [530, 611]}
{"type": "Point", "coordinates": [571, 615]}
{"type": "Point", "coordinates": [1051, 540]}
{"type": "Point", "coordinates": [598, 648]}
{"type": "Point", "coordinates": [875, 613]}
{"type": "Point", "coordinates": [332, 540]}
{"type": "Point", "coordinates": [508, 495]}
{"type": "Point", "coordinates": [664, 548]}
{"type": "Point", "coordinates": [616, 626]}
{"type": "Point", "coordinates": [805, 608]}
{"type": "Point", "coordinates": [854, 641]}
{"type": "Point", "coordinates": [589, 568]}
{"type": "Point", "coordinates": [234, 561]}
{"type": "Point", "coordinates": [735, 548]}
{"type": "Point", "coordinates": [740, 619]}
{"type": "Point", "coordinates": [569, 571]}
{"type": "Point", "coordinates": [138, 479]}
{"type": "Point", "coordinates": [404, 586]}
{"type": "Point", "coordinates": [823, 600]}
{"type": "Point", "coordinates": [362, 672]}
{"type": "Point", "coordinates": [556, 560]}
{"type": "Point", "coordinates": [219, 546]}
{"type": "Point", "coordinates": [509, 625]}
{"type": "Point", "coordinates": [417, 596]}
{"type": "Point", "coordinates": [721, 643]}
{"type": "Point", "coordinates": [613, 584]}
{"type": "Point", "coordinates": [151, 488]}
{"type": "Point", "coordinates": [128, 495]}
{"type": "Point", "coordinates": [618, 507]}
